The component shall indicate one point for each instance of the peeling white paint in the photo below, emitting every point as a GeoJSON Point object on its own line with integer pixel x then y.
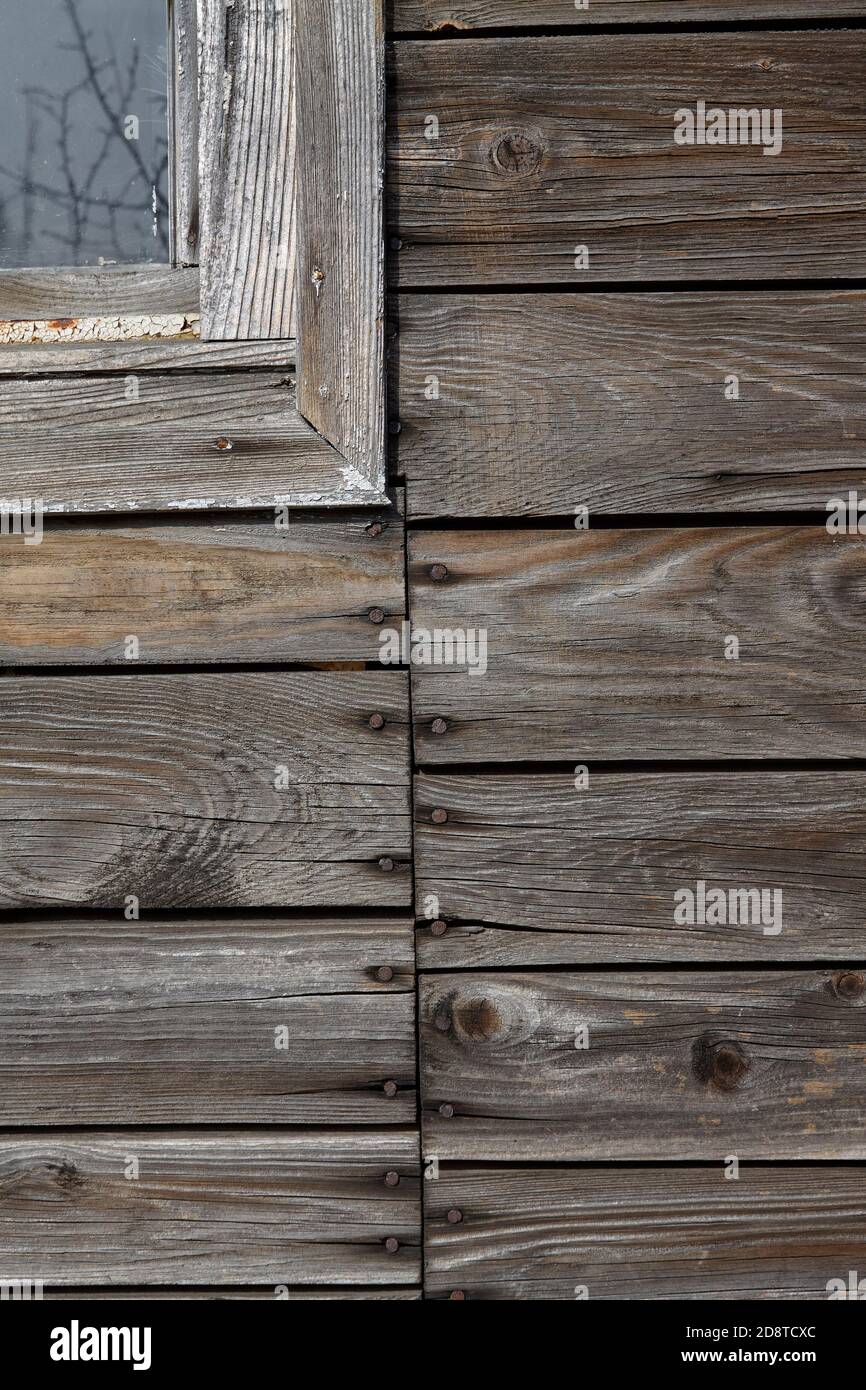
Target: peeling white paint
{"type": "Point", "coordinates": [101, 329]}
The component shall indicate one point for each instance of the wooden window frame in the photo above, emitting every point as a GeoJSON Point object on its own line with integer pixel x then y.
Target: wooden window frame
{"type": "Point", "coordinates": [277, 250]}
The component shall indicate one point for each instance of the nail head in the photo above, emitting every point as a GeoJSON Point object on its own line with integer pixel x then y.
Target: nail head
{"type": "Point", "coordinates": [439, 816]}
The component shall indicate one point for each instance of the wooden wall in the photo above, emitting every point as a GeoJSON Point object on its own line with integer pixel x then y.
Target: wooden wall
{"type": "Point", "coordinates": [294, 943]}
{"type": "Point", "coordinates": [615, 1104]}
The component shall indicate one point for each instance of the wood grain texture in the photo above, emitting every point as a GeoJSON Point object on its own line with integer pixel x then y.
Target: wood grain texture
{"type": "Point", "coordinates": [295, 1292]}
{"type": "Point", "coordinates": [106, 1021]}
{"type": "Point", "coordinates": [468, 15]}
{"type": "Point", "coordinates": [142, 355]}
{"type": "Point", "coordinates": [59, 293]}
{"type": "Point", "coordinates": [617, 402]}
{"type": "Point", "coordinates": [247, 168]}
{"type": "Point", "coordinates": [184, 131]}
{"type": "Point", "coordinates": [232, 1209]}
{"type": "Point", "coordinates": [611, 644]}
{"type": "Point", "coordinates": [590, 876]}
{"type": "Point", "coordinates": [163, 786]}
{"type": "Point", "coordinates": [167, 442]}
{"type": "Point", "coordinates": [549, 144]}
{"type": "Point", "coordinates": [678, 1066]}
{"type": "Point", "coordinates": [341, 84]}
{"type": "Point", "coordinates": [657, 1233]}
{"type": "Point", "coordinates": [215, 592]}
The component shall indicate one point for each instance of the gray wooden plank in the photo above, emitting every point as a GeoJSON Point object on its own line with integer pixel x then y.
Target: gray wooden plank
{"type": "Point", "coordinates": [166, 787]}
{"type": "Point", "coordinates": [246, 168]}
{"type": "Point", "coordinates": [615, 644]}
{"type": "Point", "coordinates": [107, 1021]}
{"type": "Point", "coordinates": [468, 15]}
{"type": "Point", "coordinates": [210, 592]}
{"type": "Point", "coordinates": [164, 442]}
{"type": "Point", "coordinates": [671, 1066]}
{"type": "Point", "coordinates": [655, 1233]}
{"type": "Point", "coordinates": [279, 1292]}
{"type": "Point", "coordinates": [547, 145]}
{"type": "Point", "coordinates": [533, 405]}
{"type": "Point", "coordinates": [185, 102]}
{"type": "Point", "coordinates": [307, 1208]}
{"type": "Point", "coordinates": [75, 291]}
{"type": "Point", "coordinates": [579, 876]}
{"type": "Point", "coordinates": [77, 357]}
{"type": "Point", "coordinates": [341, 85]}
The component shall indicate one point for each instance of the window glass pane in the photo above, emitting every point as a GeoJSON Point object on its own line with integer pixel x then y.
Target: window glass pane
{"type": "Point", "coordinates": [83, 132]}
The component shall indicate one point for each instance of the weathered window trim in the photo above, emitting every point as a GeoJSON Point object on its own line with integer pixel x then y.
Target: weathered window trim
{"type": "Point", "coordinates": [288, 230]}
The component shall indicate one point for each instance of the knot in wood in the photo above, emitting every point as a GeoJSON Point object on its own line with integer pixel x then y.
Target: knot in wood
{"type": "Point", "coordinates": [849, 984]}
{"type": "Point", "coordinates": [478, 1019]}
{"type": "Point", "coordinates": [516, 153]}
{"type": "Point", "coordinates": [719, 1063]}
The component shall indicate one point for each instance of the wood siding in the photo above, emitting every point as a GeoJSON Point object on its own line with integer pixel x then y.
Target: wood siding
{"type": "Point", "coordinates": [548, 145]}
{"type": "Point", "coordinates": [163, 787]}
{"type": "Point", "coordinates": [671, 1066]}
{"type": "Point", "coordinates": [534, 405]}
{"type": "Point", "coordinates": [464, 16]}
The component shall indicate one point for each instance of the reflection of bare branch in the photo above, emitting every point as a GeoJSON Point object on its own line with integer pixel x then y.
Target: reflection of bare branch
{"type": "Point", "coordinates": [93, 215]}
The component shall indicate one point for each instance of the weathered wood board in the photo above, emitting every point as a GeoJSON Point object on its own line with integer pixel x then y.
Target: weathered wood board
{"type": "Point", "coordinates": [297, 1294]}
{"type": "Point", "coordinates": [581, 876]}
{"type": "Point", "coordinates": [233, 1209]}
{"type": "Point", "coordinates": [466, 15]}
{"type": "Point", "coordinates": [239, 1021]}
{"type": "Point", "coordinates": [78, 291]}
{"type": "Point", "coordinates": [653, 1233]}
{"type": "Point", "coordinates": [247, 155]}
{"type": "Point", "coordinates": [170, 788]}
{"type": "Point", "coordinates": [650, 1067]}
{"type": "Point", "coordinates": [341, 253]}
{"type": "Point", "coordinates": [218, 591]}
{"type": "Point", "coordinates": [536, 404]}
{"type": "Point", "coordinates": [162, 442]}
{"type": "Point", "coordinates": [554, 159]}
{"type": "Point", "coordinates": [617, 644]}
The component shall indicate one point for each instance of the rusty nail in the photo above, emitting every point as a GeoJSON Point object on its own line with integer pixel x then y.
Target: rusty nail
{"type": "Point", "coordinates": [384, 973]}
{"type": "Point", "coordinates": [377, 721]}
{"type": "Point", "coordinates": [439, 928]}
{"type": "Point", "coordinates": [438, 726]}
{"type": "Point", "coordinates": [376, 615]}
{"type": "Point", "coordinates": [446, 1110]}
{"type": "Point", "coordinates": [439, 816]}
{"type": "Point", "coordinates": [374, 528]}
{"type": "Point", "coordinates": [392, 1179]}
{"type": "Point", "coordinates": [396, 244]}
{"type": "Point", "coordinates": [394, 427]}
{"type": "Point", "coordinates": [392, 1245]}
{"type": "Point", "coordinates": [390, 1088]}
{"type": "Point", "coordinates": [386, 864]}
{"type": "Point", "coordinates": [438, 572]}
{"type": "Point", "coordinates": [223, 443]}
{"type": "Point", "coordinates": [456, 1294]}
{"type": "Point", "coordinates": [318, 277]}
{"type": "Point", "coordinates": [455, 1216]}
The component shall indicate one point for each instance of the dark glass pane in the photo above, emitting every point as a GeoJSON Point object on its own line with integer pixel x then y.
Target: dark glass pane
{"type": "Point", "coordinates": [83, 132]}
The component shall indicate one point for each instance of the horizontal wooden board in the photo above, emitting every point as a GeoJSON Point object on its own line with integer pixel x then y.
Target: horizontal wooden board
{"type": "Point", "coordinates": [219, 591]}
{"type": "Point", "coordinates": [612, 644]}
{"type": "Point", "coordinates": [106, 1021]}
{"type": "Point", "coordinates": [163, 787]}
{"type": "Point", "coordinates": [231, 1209]}
{"type": "Point", "coordinates": [467, 15]}
{"type": "Point", "coordinates": [654, 1233]}
{"type": "Point", "coordinates": [142, 355]}
{"type": "Point", "coordinates": [164, 441]}
{"type": "Point", "coordinates": [79, 291]}
{"type": "Point", "coordinates": [548, 145]}
{"type": "Point", "coordinates": [279, 1292]}
{"type": "Point", "coordinates": [536, 404]}
{"type": "Point", "coordinates": [679, 1065]}
{"type": "Point", "coordinates": [581, 876]}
